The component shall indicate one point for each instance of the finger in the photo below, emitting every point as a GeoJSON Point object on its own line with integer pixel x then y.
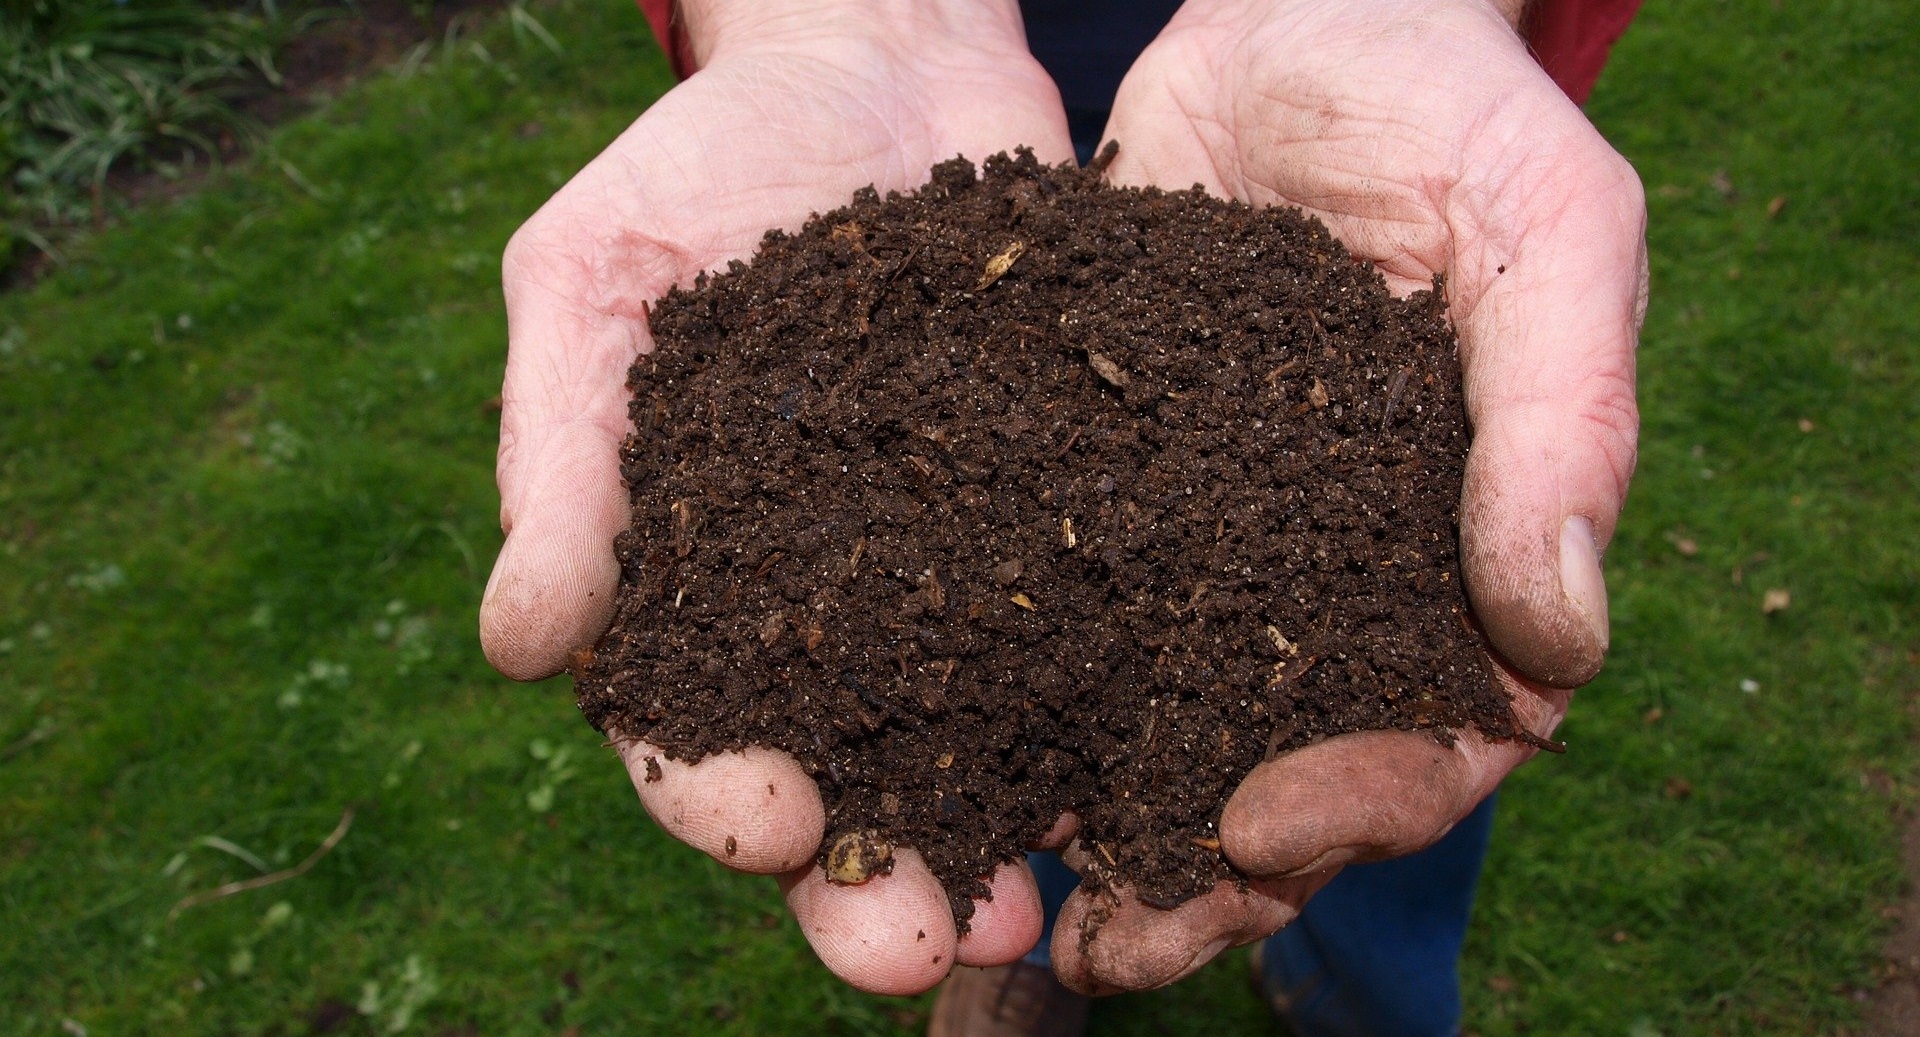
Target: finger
{"type": "Point", "coordinates": [552, 587]}
{"type": "Point", "coordinates": [892, 934]}
{"type": "Point", "coordinates": [1109, 942]}
{"type": "Point", "coordinates": [563, 416]}
{"type": "Point", "coordinates": [1548, 352]}
{"type": "Point", "coordinates": [1005, 925]}
{"type": "Point", "coordinates": [1370, 795]}
{"type": "Point", "coordinates": [753, 811]}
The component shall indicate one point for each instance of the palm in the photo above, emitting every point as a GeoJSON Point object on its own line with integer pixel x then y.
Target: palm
{"type": "Point", "coordinates": [1429, 143]}
{"type": "Point", "coordinates": [756, 140]}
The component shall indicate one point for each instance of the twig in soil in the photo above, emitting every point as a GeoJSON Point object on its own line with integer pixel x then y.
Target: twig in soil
{"type": "Point", "coordinates": [1278, 736]}
{"type": "Point", "coordinates": [685, 526]}
{"type": "Point", "coordinates": [1105, 158]}
{"type": "Point", "coordinates": [905, 262]}
{"type": "Point", "coordinates": [1526, 737]}
{"type": "Point", "coordinates": [1394, 389]}
{"type": "Point", "coordinates": [232, 888]}
{"type": "Point", "coordinates": [1437, 301]}
{"type": "Point", "coordinates": [618, 742]}
{"type": "Point", "coordinates": [820, 750]}
{"type": "Point", "coordinates": [1282, 371]}
{"type": "Point", "coordinates": [767, 564]}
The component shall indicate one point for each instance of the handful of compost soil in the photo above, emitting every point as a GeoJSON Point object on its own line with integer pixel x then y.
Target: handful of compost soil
{"type": "Point", "coordinates": [1024, 494]}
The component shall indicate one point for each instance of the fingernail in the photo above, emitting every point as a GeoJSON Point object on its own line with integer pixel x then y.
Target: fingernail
{"type": "Point", "coordinates": [1580, 578]}
{"type": "Point", "coordinates": [1202, 958]}
{"type": "Point", "coordinates": [1333, 858]}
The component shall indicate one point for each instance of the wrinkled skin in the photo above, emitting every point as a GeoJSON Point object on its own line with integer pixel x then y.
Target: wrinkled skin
{"type": "Point", "coordinates": [1424, 136]}
{"type": "Point", "coordinates": [1429, 142]}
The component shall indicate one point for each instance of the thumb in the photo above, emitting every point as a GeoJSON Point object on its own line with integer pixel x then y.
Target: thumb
{"type": "Point", "coordinates": [563, 417]}
{"type": "Point", "coordinates": [552, 588]}
{"type": "Point", "coordinates": [1548, 352]}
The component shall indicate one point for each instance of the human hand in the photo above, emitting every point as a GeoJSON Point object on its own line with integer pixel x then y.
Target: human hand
{"type": "Point", "coordinates": [1429, 142]}
{"type": "Point", "coordinates": [796, 106]}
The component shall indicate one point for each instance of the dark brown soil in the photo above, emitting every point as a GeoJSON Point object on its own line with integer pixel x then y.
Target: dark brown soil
{"type": "Point", "coordinates": [1025, 494]}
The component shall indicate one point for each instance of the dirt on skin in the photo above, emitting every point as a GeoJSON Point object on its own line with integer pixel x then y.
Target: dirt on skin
{"type": "Point", "coordinates": [1024, 494]}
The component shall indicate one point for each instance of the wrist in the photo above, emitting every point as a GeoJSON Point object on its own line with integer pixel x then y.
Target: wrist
{"type": "Point", "coordinates": [720, 28]}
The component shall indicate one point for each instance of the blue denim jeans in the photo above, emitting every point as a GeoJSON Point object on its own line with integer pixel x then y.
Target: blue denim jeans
{"type": "Point", "coordinates": [1374, 954]}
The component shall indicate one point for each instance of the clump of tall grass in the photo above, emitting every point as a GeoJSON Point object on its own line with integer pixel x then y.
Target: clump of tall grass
{"type": "Point", "coordinates": [88, 86]}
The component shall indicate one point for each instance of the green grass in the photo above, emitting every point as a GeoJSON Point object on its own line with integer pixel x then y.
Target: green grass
{"type": "Point", "coordinates": [246, 511]}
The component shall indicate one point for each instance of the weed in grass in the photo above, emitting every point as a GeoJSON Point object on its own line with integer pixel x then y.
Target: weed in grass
{"type": "Point", "coordinates": [86, 85]}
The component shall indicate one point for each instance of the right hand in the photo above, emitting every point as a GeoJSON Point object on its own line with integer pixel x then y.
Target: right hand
{"type": "Point", "coordinates": [795, 107]}
{"type": "Point", "coordinates": [1429, 142]}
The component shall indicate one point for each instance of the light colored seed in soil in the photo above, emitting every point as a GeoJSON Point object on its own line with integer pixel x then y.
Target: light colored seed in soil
{"type": "Point", "coordinates": [998, 266]}
{"type": "Point", "coordinates": [857, 857]}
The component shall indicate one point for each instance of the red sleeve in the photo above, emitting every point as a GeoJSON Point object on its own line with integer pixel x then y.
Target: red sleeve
{"type": "Point", "coordinates": [1571, 38]}
{"type": "Point", "coordinates": [672, 34]}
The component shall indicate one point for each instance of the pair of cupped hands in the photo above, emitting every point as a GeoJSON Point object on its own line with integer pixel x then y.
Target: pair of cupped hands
{"type": "Point", "coordinates": [1420, 131]}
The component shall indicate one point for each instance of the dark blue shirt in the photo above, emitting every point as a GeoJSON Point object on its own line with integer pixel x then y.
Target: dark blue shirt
{"type": "Point", "coordinates": [1087, 46]}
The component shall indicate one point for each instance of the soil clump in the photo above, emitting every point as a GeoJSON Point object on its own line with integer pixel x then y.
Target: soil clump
{"type": "Point", "coordinates": [1023, 494]}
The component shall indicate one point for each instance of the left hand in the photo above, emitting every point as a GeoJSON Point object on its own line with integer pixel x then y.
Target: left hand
{"type": "Point", "coordinates": [1428, 141]}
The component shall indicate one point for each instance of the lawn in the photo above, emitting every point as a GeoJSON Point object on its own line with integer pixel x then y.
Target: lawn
{"type": "Point", "coordinates": [246, 510]}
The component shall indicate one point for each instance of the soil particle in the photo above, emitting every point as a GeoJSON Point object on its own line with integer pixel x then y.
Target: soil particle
{"type": "Point", "coordinates": [1023, 494]}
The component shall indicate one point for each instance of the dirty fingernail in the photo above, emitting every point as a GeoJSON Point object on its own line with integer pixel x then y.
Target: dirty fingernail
{"type": "Point", "coordinates": [1580, 578]}
{"type": "Point", "coordinates": [1203, 958]}
{"type": "Point", "coordinates": [1334, 858]}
